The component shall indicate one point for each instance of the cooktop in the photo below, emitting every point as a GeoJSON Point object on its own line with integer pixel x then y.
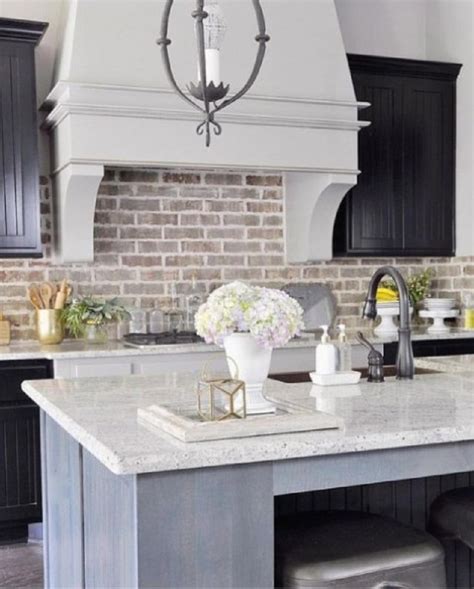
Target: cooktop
{"type": "Point", "coordinates": [143, 340]}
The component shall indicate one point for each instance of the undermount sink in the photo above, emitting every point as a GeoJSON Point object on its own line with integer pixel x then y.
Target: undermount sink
{"type": "Point", "coordinates": [294, 377]}
{"type": "Point", "coordinates": [392, 371]}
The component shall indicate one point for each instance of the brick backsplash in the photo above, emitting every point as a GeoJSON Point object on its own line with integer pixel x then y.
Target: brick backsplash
{"type": "Point", "coordinates": [155, 227]}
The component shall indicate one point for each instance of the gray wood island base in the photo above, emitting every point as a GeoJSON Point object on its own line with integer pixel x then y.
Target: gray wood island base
{"type": "Point", "coordinates": [126, 507]}
{"type": "Point", "coordinates": [209, 527]}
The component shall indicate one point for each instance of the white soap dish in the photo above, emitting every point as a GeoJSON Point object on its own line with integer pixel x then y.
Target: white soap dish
{"type": "Point", "coordinates": [338, 378]}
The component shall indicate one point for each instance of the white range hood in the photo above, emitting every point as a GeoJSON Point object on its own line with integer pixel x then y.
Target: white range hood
{"type": "Point", "coordinates": [112, 105]}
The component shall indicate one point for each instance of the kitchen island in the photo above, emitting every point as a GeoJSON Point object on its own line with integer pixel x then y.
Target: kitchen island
{"type": "Point", "coordinates": [125, 506]}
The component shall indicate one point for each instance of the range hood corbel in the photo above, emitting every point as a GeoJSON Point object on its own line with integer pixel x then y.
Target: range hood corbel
{"type": "Point", "coordinates": [312, 201]}
{"type": "Point", "coordinates": [76, 187]}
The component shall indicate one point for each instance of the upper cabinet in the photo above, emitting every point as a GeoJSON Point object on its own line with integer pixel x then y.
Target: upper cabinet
{"type": "Point", "coordinates": [19, 172]}
{"type": "Point", "coordinates": [404, 201]}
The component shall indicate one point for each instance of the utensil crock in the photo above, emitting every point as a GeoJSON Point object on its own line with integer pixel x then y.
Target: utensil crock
{"type": "Point", "coordinates": [49, 326]}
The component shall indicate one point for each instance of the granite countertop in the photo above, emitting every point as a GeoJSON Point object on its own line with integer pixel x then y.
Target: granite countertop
{"type": "Point", "coordinates": [458, 364]}
{"type": "Point", "coordinates": [79, 349]}
{"type": "Point", "coordinates": [101, 414]}
{"type": "Point", "coordinates": [417, 334]}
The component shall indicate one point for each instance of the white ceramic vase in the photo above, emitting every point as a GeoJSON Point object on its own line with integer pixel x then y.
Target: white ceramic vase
{"type": "Point", "coordinates": [253, 365]}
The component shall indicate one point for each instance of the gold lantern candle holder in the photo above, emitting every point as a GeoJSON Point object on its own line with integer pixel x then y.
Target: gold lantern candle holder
{"type": "Point", "coordinates": [221, 398]}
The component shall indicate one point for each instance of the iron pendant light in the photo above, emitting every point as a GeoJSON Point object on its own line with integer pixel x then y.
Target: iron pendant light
{"type": "Point", "coordinates": [210, 90]}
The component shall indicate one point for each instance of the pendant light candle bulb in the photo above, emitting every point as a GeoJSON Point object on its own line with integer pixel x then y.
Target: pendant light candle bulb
{"type": "Point", "coordinates": [213, 67]}
{"type": "Point", "coordinates": [215, 28]}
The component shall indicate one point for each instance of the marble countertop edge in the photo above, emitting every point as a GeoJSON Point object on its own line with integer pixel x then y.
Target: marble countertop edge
{"type": "Point", "coordinates": [369, 444]}
{"type": "Point", "coordinates": [91, 443]}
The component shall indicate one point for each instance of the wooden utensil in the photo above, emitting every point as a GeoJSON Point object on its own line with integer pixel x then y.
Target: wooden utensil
{"type": "Point", "coordinates": [62, 295]}
{"type": "Point", "coordinates": [55, 292]}
{"type": "Point", "coordinates": [35, 297]}
{"type": "Point", "coordinates": [47, 291]}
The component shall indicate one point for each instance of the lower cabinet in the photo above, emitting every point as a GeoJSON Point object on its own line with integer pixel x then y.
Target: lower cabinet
{"type": "Point", "coordinates": [142, 364]}
{"type": "Point", "coordinates": [292, 359]}
{"type": "Point", "coordinates": [288, 360]}
{"type": "Point", "coordinates": [424, 348]}
{"type": "Point", "coordinates": [20, 470]}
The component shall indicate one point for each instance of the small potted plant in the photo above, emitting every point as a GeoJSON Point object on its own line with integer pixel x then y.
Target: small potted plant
{"type": "Point", "coordinates": [249, 321]}
{"type": "Point", "coordinates": [88, 317]}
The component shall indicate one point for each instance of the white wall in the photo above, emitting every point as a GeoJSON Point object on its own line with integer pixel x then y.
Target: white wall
{"type": "Point", "coordinates": [439, 30]}
{"type": "Point", "coordinates": [450, 37]}
{"type": "Point", "coordinates": [42, 10]}
{"type": "Point", "coordinates": [394, 28]}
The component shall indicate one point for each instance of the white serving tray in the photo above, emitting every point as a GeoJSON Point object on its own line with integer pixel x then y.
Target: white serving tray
{"type": "Point", "coordinates": [338, 378]}
{"type": "Point", "coordinates": [187, 426]}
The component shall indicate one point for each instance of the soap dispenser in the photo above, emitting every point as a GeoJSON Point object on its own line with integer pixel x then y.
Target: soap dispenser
{"type": "Point", "coordinates": [326, 354]}
{"type": "Point", "coordinates": [345, 350]}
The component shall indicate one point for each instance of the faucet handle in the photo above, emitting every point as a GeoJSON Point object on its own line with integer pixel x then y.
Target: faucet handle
{"type": "Point", "coordinates": [364, 341]}
{"type": "Point", "coordinates": [375, 360]}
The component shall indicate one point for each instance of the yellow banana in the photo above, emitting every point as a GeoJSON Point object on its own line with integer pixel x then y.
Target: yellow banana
{"type": "Point", "coordinates": [385, 294]}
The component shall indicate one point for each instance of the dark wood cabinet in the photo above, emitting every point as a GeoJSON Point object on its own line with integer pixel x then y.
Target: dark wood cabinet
{"type": "Point", "coordinates": [20, 474]}
{"type": "Point", "coordinates": [19, 173]}
{"type": "Point", "coordinates": [403, 203]}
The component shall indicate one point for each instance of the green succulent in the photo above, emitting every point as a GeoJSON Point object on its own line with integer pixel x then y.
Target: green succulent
{"type": "Point", "coordinates": [88, 310]}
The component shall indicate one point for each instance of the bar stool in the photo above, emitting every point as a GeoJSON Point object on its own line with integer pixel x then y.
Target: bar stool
{"type": "Point", "coordinates": [356, 550]}
{"type": "Point", "coordinates": [452, 516]}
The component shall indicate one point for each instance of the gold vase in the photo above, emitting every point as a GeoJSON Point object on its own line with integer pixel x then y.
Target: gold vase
{"type": "Point", "coordinates": [49, 326]}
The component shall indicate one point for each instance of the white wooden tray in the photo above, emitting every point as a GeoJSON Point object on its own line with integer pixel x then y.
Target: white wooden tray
{"type": "Point", "coordinates": [187, 426]}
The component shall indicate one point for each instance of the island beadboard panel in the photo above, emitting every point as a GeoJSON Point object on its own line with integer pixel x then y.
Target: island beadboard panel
{"type": "Point", "coordinates": [407, 501]}
{"type": "Point", "coordinates": [156, 227]}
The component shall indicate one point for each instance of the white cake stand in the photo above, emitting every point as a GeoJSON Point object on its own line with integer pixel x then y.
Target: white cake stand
{"type": "Point", "coordinates": [438, 317]}
{"type": "Point", "coordinates": [387, 325]}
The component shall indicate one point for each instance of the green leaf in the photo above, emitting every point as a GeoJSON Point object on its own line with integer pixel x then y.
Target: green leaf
{"type": "Point", "coordinates": [87, 309]}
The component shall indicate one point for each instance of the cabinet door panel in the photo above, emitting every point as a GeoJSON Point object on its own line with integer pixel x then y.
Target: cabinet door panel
{"type": "Point", "coordinates": [19, 174]}
{"type": "Point", "coordinates": [87, 369]}
{"type": "Point", "coordinates": [403, 204]}
{"type": "Point", "coordinates": [20, 482]}
{"type": "Point", "coordinates": [20, 472]}
{"type": "Point", "coordinates": [13, 374]}
{"type": "Point", "coordinates": [429, 166]}
{"type": "Point", "coordinates": [375, 203]}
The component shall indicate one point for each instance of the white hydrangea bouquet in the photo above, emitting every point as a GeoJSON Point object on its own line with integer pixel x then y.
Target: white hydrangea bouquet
{"type": "Point", "coordinates": [249, 321]}
{"type": "Point", "coordinates": [271, 316]}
